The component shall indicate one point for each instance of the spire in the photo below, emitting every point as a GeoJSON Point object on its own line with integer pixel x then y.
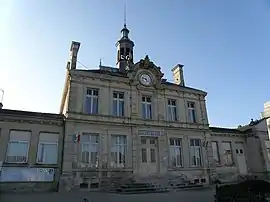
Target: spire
{"type": "Point", "coordinates": [124, 46]}
{"type": "Point", "coordinates": [125, 16]}
{"type": "Point", "coordinates": [125, 30]}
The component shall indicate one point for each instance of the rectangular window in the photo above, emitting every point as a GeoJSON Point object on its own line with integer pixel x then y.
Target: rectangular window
{"type": "Point", "coordinates": [18, 146]}
{"type": "Point", "coordinates": [89, 149]}
{"type": "Point", "coordinates": [215, 152]}
{"type": "Point", "coordinates": [191, 112]}
{"type": "Point", "coordinates": [118, 104]}
{"type": "Point", "coordinates": [118, 151]}
{"type": "Point", "coordinates": [144, 155]}
{"type": "Point", "coordinates": [172, 115]}
{"type": "Point", "coordinates": [153, 155]}
{"type": "Point", "coordinates": [227, 153]}
{"type": "Point", "coordinates": [146, 107]}
{"type": "Point", "coordinates": [195, 152]}
{"type": "Point", "coordinates": [176, 153]}
{"type": "Point", "coordinates": [91, 101]}
{"type": "Point", "coordinates": [47, 148]}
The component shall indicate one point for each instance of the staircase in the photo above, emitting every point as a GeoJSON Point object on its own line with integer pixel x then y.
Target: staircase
{"type": "Point", "coordinates": [139, 188]}
{"type": "Point", "coordinates": [150, 184]}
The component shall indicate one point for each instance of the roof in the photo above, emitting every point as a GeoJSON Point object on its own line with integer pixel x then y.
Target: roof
{"type": "Point", "coordinates": [121, 74]}
{"type": "Point", "coordinates": [225, 130]}
{"type": "Point", "coordinates": [241, 129]}
{"type": "Point", "coordinates": [30, 114]}
{"type": "Point", "coordinates": [251, 124]}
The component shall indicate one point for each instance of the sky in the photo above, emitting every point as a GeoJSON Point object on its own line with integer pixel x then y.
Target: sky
{"type": "Point", "coordinates": [223, 45]}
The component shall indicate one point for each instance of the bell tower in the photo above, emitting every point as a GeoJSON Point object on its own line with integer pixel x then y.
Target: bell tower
{"type": "Point", "coordinates": [124, 48]}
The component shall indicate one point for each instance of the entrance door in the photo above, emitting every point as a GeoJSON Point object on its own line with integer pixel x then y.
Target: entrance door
{"type": "Point", "coordinates": [241, 159]}
{"type": "Point", "coordinates": [149, 155]}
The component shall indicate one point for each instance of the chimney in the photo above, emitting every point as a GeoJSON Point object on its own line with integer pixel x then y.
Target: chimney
{"type": "Point", "coordinates": [74, 49]}
{"type": "Point", "coordinates": [178, 75]}
{"type": "Point", "coordinates": [1, 105]}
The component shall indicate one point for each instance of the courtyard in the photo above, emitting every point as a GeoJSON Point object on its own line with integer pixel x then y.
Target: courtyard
{"type": "Point", "coordinates": [199, 195]}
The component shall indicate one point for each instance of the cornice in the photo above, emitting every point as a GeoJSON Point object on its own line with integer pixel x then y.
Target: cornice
{"type": "Point", "coordinates": [228, 134]}
{"type": "Point", "coordinates": [40, 121]}
{"type": "Point", "coordinates": [111, 120]}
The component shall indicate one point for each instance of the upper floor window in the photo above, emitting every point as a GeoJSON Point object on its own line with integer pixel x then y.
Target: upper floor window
{"type": "Point", "coordinates": [146, 107]}
{"type": "Point", "coordinates": [176, 153]}
{"type": "Point", "coordinates": [47, 148]}
{"type": "Point", "coordinates": [118, 151]}
{"type": "Point", "coordinates": [191, 112]}
{"type": "Point", "coordinates": [92, 101]}
{"type": "Point", "coordinates": [215, 152]}
{"type": "Point", "coordinates": [227, 153]}
{"type": "Point", "coordinates": [18, 146]}
{"type": "Point", "coordinates": [89, 149]}
{"type": "Point", "coordinates": [195, 152]}
{"type": "Point", "coordinates": [118, 104]}
{"type": "Point", "coordinates": [172, 115]}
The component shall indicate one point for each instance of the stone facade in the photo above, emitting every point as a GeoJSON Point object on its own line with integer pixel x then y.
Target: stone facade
{"type": "Point", "coordinates": [155, 136]}
{"type": "Point", "coordinates": [24, 165]}
{"type": "Point", "coordinates": [249, 151]}
{"type": "Point", "coordinates": [177, 117]}
{"type": "Point", "coordinates": [129, 122]}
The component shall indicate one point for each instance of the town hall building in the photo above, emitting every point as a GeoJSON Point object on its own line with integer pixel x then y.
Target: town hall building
{"type": "Point", "coordinates": [126, 122]}
{"type": "Point", "coordinates": [131, 119]}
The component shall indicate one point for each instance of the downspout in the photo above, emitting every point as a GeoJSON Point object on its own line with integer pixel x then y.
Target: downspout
{"type": "Point", "coordinates": [62, 153]}
{"type": "Point", "coordinates": [63, 144]}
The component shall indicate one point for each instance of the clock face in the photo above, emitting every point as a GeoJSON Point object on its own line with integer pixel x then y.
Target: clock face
{"type": "Point", "coordinates": [145, 79]}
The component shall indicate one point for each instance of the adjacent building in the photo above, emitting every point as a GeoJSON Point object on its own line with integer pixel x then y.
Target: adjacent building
{"type": "Point", "coordinates": [241, 151]}
{"type": "Point", "coordinates": [30, 150]}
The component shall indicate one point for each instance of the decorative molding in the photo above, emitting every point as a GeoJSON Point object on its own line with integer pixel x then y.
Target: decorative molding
{"type": "Point", "coordinates": [33, 121]}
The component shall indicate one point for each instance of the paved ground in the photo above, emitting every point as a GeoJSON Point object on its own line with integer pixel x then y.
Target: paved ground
{"type": "Point", "coordinates": [205, 195]}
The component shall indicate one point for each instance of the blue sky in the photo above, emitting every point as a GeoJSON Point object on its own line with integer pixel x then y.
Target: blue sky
{"type": "Point", "coordinates": [224, 46]}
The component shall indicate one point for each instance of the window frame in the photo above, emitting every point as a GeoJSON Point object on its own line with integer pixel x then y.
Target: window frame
{"type": "Point", "coordinates": [175, 147]}
{"type": "Point", "coordinates": [172, 109]}
{"type": "Point", "coordinates": [144, 105]}
{"type": "Point", "coordinates": [118, 104]}
{"type": "Point", "coordinates": [217, 150]}
{"type": "Point", "coordinates": [92, 97]}
{"type": "Point", "coordinates": [118, 164]}
{"type": "Point", "coordinates": [194, 150]}
{"type": "Point", "coordinates": [18, 141]}
{"type": "Point", "coordinates": [191, 110]}
{"type": "Point", "coordinates": [90, 144]}
{"type": "Point", "coordinates": [47, 143]}
{"type": "Point", "coordinates": [223, 154]}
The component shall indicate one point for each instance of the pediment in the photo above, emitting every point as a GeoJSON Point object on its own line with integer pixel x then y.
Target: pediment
{"type": "Point", "coordinates": [146, 65]}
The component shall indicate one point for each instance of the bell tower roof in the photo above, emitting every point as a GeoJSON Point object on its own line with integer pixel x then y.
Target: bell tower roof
{"type": "Point", "coordinates": [124, 48]}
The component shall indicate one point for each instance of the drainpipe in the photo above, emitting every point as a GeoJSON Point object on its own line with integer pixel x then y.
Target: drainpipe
{"type": "Point", "coordinates": [62, 151]}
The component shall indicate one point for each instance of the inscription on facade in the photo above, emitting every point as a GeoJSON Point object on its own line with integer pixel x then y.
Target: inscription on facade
{"type": "Point", "coordinates": [149, 133]}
